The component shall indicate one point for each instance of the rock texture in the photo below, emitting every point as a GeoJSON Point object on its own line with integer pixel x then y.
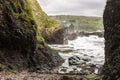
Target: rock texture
{"type": "Point", "coordinates": [51, 30]}
{"type": "Point", "coordinates": [38, 76]}
{"type": "Point", "coordinates": [56, 37]}
{"type": "Point", "coordinates": [111, 68]}
{"type": "Point", "coordinates": [19, 47]}
{"type": "Point", "coordinates": [74, 60]}
{"type": "Point", "coordinates": [99, 34]}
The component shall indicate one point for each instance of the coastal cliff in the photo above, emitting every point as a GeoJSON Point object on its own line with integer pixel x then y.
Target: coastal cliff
{"type": "Point", "coordinates": [21, 46]}
{"type": "Point", "coordinates": [51, 30]}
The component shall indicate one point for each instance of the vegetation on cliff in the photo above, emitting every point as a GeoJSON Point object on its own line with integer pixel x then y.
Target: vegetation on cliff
{"type": "Point", "coordinates": [41, 18]}
{"type": "Point", "coordinates": [47, 27]}
{"type": "Point", "coordinates": [81, 23]}
{"type": "Point", "coordinates": [19, 48]}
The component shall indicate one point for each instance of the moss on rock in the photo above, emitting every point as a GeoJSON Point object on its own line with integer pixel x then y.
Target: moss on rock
{"type": "Point", "coordinates": [47, 27]}
{"type": "Point", "coordinates": [66, 78]}
{"type": "Point", "coordinates": [21, 47]}
{"type": "Point", "coordinates": [41, 18]}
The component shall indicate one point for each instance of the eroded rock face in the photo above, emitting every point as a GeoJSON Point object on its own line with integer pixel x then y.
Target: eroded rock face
{"type": "Point", "coordinates": [19, 48]}
{"type": "Point", "coordinates": [17, 34]}
{"type": "Point", "coordinates": [56, 37]}
{"type": "Point", "coordinates": [111, 68]}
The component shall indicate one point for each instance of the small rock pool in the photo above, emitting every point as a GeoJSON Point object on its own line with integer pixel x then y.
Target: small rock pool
{"type": "Point", "coordinates": [89, 50]}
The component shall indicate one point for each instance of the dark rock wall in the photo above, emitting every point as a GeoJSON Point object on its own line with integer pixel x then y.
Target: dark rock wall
{"type": "Point", "coordinates": [17, 34]}
{"type": "Point", "coordinates": [111, 68]}
{"type": "Point", "coordinates": [16, 25]}
{"type": "Point", "coordinates": [19, 48]}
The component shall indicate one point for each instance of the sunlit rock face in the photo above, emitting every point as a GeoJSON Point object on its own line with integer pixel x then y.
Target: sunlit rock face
{"type": "Point", "coordinates": [111, 68]}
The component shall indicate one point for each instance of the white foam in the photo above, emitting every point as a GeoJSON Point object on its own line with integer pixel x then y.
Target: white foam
{"type": "Point", "coordinates": [90, 46]}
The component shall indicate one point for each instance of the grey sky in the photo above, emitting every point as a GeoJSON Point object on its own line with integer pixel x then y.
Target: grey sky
{"type": "Point", "coordinates": [73, 7]}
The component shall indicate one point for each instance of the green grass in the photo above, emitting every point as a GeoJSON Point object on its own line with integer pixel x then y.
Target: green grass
{"type": "Point", "coordinates": [43, 21]}
{"type": "Point", "coordinates": [81, 23]}
{"type": "Point", "coordinates": [41, 18]}
{"type": "Point", "coordinates": [91, 77]}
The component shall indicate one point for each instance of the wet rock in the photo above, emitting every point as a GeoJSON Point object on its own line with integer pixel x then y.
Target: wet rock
{"type": "Point", "coordinates": [92, 56]}
{"type": "Point", "coordinates": [87, 71]}
{"type": "Point", "coordinates": [100, 70]}
{"type": "Point", "coordinates": [92, 65]}
{"type": "Point", "coordinates": [85, 55]}
{"type": "Point", "coordinates": [91, 77]}
{"type": "Point", "coordinates": [74, 60]}
{"type": "Point", "coordinates": [74, 69]}
{"type": "Point", "coordinates": [72, 36]}
{"type": "Point", "coordinates": [64, 69]}
{"type": "Point", "coordinates": [99, 34]}
{"type": "Point", "coordinates": [86, 59]}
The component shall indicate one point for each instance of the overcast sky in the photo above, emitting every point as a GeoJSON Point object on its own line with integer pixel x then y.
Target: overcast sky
{"type": "Point", "coordinates": [73, 7]}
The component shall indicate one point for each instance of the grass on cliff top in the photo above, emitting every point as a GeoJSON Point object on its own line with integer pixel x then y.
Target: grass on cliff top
{"type": "Point", "coordinates": [81, 23]}
{"type": "Point", "coordinates": [41, 18]}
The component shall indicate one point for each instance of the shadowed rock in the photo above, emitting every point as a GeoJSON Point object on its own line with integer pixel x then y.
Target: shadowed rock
{"type": "Point", "coordinates": [19, 48]}
{"type": "Point", "coordinates": [57, 37]}
{"type": "Point", "coordinates": [111, 68]}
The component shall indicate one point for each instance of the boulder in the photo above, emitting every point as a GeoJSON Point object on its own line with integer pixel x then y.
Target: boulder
{"type": "Point", "coordinates": [72, 36]}
{"type": "Point", "coordinates": [75, 60]}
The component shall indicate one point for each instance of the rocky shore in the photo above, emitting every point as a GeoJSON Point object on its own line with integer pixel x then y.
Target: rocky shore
{"type": "Point", "coordinates": [46, 76]}
{"type": "Point", "coordinates": [97, 33]}
{"type": "Point", "coordinates": [81, 58]}
{"type": "Point", "coordinates": [73, 36]}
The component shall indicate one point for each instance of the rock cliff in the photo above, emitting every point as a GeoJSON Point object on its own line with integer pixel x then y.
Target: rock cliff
{"type": "Point", "coordinates": [21, 47]}
{"type": "Point", "coordinates": [51, 30]}
{"type": "Point", "coordinates": [111, 68]}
